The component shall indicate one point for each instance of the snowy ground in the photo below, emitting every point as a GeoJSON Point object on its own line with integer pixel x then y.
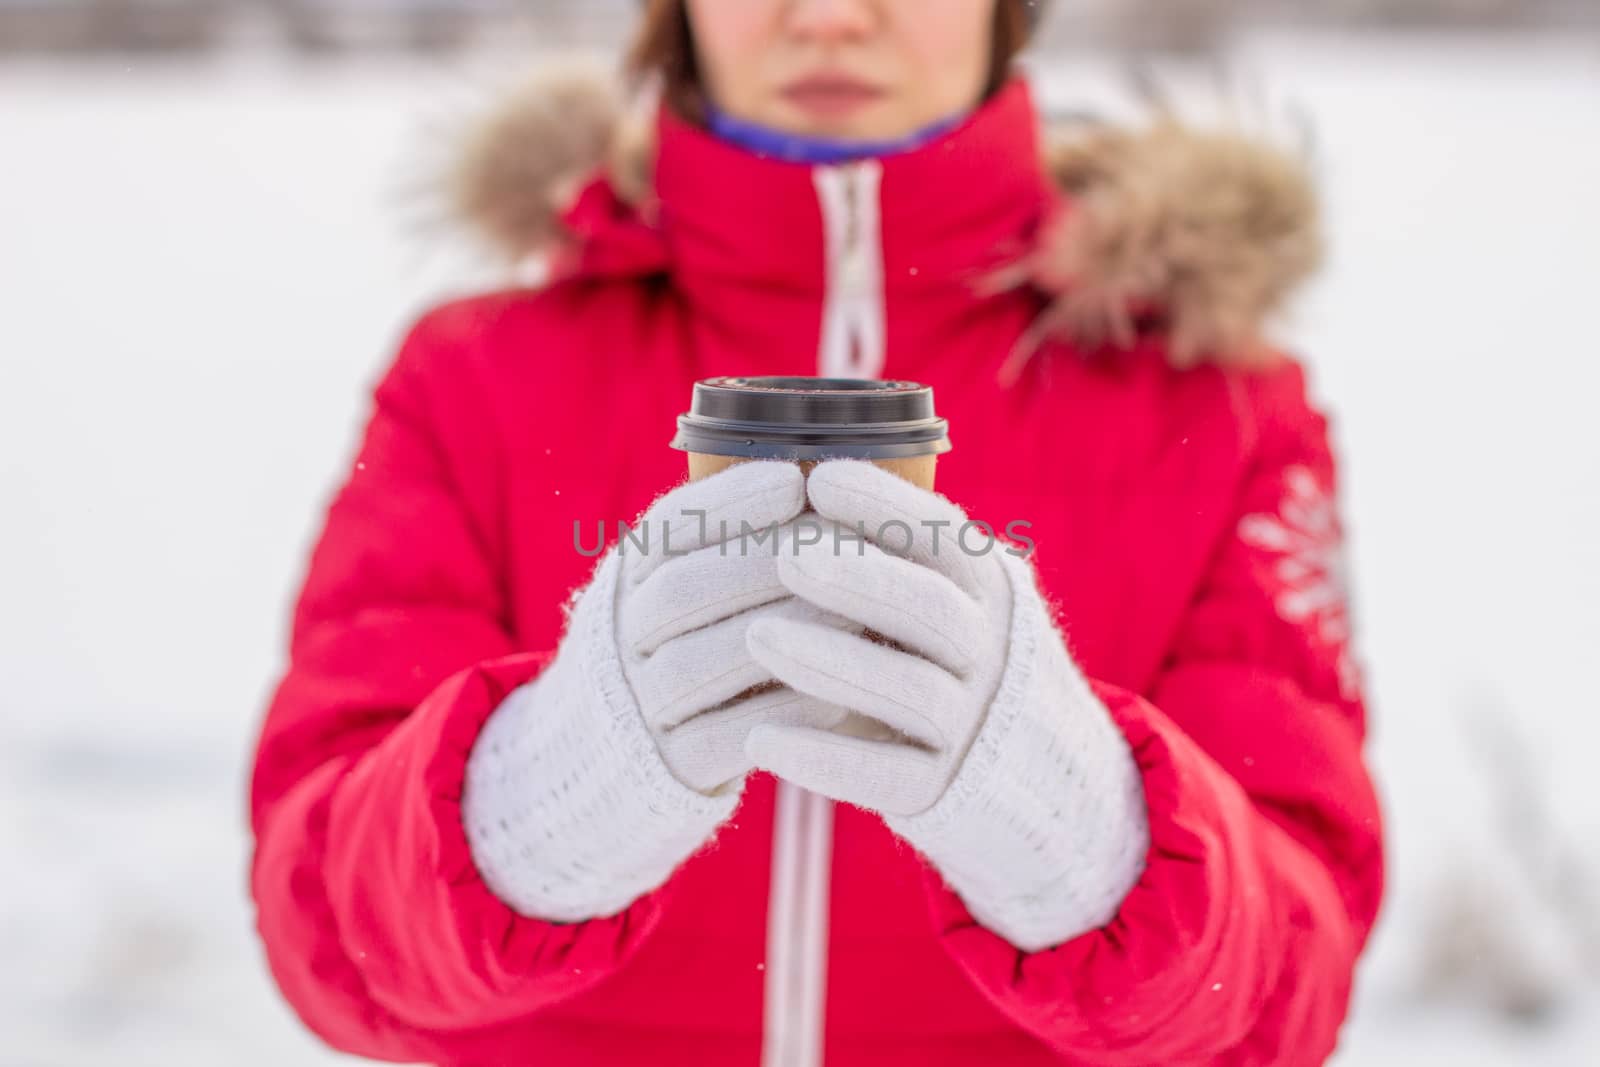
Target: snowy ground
{"type": "Point", "coordinates": [201, 268]}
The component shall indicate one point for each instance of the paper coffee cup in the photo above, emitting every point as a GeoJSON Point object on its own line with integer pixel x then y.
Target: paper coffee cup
{"type": "Point", "coordinates": [807, 420]}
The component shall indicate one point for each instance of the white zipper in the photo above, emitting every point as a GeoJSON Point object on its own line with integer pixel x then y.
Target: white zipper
{"type": "Point", "coordinates": [852, 341]}
{"type": "Point", "coordinates": [852, 346]}
{"type": "Point", "coordinates": [797, 929]}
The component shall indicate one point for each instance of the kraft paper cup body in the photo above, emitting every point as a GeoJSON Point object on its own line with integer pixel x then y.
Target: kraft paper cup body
{"type": "Point", "coordinates": [918, 470]}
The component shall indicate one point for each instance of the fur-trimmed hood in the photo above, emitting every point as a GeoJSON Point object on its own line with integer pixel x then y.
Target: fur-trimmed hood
{"type": "Point", "coordinates": [1211, 230]}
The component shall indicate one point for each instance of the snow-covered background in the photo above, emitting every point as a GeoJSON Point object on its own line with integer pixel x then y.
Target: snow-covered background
{"type": "Point", "coordinates": [203, 264]}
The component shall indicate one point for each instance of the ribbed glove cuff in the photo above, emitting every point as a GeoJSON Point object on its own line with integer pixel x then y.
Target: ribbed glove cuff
{"type": "Point", "coordinates": [569, 810]}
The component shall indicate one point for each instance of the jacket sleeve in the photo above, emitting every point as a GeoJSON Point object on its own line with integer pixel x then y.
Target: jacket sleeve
{"type": "Point", "coordinates": [377, 926]}
{"type": "Point", "coordinates": [1264, 871]}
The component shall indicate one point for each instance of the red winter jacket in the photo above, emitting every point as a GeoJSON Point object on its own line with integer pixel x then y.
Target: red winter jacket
{"type": "Point", "coordinates": [1185, 529]}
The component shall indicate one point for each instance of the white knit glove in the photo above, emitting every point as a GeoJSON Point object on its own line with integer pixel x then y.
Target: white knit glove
{"type": "Point", "coordinates": [997, 761]}
{"type": "Point", "coordinates": [588, 786]}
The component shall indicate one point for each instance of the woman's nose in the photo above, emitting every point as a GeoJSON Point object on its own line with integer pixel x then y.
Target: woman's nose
{"type": "Point", "coordinates": [832, 20]}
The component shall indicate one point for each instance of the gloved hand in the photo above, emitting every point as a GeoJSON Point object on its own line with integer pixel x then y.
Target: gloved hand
{"type": "Point", "coordinates": [684, 605]}
{"type": "Point", "coordinates": [592, 783]}
{"type": "Point", "coordinates": [998, 762]}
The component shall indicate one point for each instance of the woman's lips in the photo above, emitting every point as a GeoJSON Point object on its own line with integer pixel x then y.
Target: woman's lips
{"type": "Point", "coordinates": [830, 96]}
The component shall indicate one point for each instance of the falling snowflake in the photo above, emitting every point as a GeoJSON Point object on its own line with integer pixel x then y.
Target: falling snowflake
{"type": "Point", "coordinates": [1308, 568]}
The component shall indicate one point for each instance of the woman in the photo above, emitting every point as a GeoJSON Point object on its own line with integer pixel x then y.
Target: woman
{"type": "Point", "coordinates": [1112, 808]}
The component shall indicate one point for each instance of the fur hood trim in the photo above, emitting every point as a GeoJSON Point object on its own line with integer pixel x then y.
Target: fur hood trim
{"type": "Point", "coordinates": [1209, 231]}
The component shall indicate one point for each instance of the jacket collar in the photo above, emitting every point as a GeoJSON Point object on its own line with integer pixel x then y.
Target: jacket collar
{"type": "Point", "coordinates": [851, 269]}
{"type": "Point", "coordinates": [950, 207]}
{"type": "Point", "coordinates": [1201, 235]}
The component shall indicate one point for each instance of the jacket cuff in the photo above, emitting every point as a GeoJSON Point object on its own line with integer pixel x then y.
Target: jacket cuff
{"type": "Point", "coordinates": [1043, 832]}
{"type": "Point", "coordinates": [569, 810]}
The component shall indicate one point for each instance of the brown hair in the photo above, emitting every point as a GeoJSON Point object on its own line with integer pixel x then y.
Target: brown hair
{"type": "Point", "coordinates": [664, 47]}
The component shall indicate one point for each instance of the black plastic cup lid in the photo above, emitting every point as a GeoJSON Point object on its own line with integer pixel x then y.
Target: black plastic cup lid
{"type": "Point", "coordinates": [811, 418]}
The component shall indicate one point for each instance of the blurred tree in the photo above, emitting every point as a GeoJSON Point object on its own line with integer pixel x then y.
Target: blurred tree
{"type": "Point", "coordinates": [352, 25]}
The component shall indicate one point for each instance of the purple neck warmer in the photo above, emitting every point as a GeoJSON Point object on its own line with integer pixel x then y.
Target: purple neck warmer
{"type": "Point", "coordinates": [805, 148]}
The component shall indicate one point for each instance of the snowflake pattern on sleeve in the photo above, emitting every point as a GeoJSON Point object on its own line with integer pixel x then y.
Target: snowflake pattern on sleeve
{"type": "Point", "coordinates": [1305, 565]}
